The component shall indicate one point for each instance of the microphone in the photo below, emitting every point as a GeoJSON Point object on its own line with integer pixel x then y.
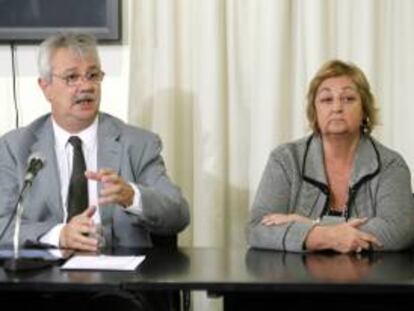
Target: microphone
{"type": "Point", "coordinates": [35, 163]}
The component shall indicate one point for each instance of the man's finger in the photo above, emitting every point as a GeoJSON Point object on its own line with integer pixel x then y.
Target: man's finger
{"type": "Point", "coordinates": [93, 175]}
{"type": "Point", "coordinates": [113, 178]}
{"type": "Point", "coordinates": [85, 246]}
{"type": "Point", "coordinates": [106, 171]}
{"type": "Point", "coordinates": [107, 200]}
{"type": "Point", "coordinates": [89, 212]}
{"type": "Point", "coordinates": [110, 190]}
{"type": "Point", "coordinates": [86, 229]}
{"type": "Point", "coordinates": [84, 238]}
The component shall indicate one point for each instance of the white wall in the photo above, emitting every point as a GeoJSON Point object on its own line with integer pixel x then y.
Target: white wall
{"type": "Point", "coordinates": [31, 103]}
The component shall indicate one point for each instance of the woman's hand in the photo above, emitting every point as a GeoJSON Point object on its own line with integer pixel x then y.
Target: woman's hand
{"type": "Point", "coordinates": [344, 238]}
{"type": "Point", "coordinates": [280, 219]}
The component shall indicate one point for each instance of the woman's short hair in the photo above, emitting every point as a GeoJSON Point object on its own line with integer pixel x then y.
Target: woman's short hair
{"type": "Point", "coordinates": [336, 68]}
{"type": "Point", "coordinates": [82, 44]}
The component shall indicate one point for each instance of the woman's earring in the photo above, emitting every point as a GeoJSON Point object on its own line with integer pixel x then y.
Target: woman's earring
{"type": "Point", "coordinates": [364, 125]}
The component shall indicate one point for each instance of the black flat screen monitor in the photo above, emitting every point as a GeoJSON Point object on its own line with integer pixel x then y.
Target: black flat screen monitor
{"type": "Point", "coordinates": [34, 20]}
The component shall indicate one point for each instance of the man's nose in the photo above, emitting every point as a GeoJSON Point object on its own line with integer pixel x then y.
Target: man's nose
{"type": "Point", "coordinates": [85, 84]}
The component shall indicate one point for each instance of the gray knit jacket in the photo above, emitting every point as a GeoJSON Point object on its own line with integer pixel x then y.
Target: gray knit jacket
{"type": "Point", "coordinates": [294, 181]}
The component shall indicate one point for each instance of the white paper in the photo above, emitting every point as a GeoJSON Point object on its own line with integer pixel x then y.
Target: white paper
{"type": "Point", "coordinates": [103, 262]}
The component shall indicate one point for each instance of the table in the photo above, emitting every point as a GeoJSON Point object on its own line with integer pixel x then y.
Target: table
{"type": "Point", "coordinates": [256, 279]}
{"type": "Point", "coordinates": [247, 279]}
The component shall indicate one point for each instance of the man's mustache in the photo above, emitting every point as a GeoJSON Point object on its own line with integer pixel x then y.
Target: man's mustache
{"type": "Point", "coordinates": [83, 97]}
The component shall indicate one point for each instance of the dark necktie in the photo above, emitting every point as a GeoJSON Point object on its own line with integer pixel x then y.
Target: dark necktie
{"type": "Point", "coordinates": [78, 185]}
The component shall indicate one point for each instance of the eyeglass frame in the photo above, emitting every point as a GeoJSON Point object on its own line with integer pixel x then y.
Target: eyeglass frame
{"type": "Point", "coordinates": [78, 77]}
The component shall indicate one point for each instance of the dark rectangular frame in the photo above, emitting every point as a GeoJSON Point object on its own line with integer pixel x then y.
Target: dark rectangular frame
{"type": "Point", "coordinates": [111, 31]}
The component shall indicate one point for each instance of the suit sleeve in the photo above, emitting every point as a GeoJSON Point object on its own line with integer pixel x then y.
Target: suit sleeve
{"type": "Point", "coordinates": [165, 211]}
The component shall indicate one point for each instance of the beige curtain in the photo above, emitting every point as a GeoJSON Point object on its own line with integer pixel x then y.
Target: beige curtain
{"type": "Point", "coordinates": [224, 82]}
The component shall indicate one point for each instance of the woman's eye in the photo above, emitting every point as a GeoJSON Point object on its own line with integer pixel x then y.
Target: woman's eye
{"type": "Point", "coordinates": [326, 100]}
{"type": "Point", "coordinates": [348, 99]}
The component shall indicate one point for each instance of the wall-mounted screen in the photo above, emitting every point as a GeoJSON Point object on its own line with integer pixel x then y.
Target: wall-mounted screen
{"type": "Point", "coordinates": [34, 20]}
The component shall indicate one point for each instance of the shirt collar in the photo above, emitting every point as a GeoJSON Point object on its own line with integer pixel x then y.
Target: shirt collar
{"type": "Point", "coordinates": [88, 135]}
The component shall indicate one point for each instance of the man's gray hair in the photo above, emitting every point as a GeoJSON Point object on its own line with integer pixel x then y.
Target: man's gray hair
{"type": "Point", "coordinates": [80, 43]}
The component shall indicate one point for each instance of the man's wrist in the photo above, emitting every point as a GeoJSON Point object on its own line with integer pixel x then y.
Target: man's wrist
{"type": "Point", "coordinates": [136, 206]}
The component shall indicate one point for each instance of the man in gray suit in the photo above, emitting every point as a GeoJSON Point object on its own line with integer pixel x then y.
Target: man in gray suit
{"type": "Point", "coordinates": [128, 193]}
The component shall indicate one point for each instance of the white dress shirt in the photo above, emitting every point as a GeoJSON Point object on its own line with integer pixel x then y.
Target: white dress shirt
{"type": "Point", "coordinates": [64, 156]}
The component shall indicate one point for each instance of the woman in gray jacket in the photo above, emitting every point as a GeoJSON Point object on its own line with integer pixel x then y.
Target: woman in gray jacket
{"type": "Point", "coordinates": [338, 189]}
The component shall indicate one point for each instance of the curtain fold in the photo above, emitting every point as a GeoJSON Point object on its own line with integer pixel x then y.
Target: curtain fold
{"type": "Point", "coordinates": [224, 82]}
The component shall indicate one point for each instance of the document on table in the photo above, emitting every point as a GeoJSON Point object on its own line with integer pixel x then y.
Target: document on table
{"type": "Point", "coordinates": [103, 262]}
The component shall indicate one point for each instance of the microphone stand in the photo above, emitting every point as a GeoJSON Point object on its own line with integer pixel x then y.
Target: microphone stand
{"type": "Point", "coordinates": [18, 263]}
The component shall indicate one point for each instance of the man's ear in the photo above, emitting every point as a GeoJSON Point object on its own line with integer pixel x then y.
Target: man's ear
{"type": "Point", "coordinates": [45, 86]}
{"type": "Point", "coordinates": [42, 83]}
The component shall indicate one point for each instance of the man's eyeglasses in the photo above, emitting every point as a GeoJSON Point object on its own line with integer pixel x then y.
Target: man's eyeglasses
{"type": "Point", "coordinates": [74, 79]}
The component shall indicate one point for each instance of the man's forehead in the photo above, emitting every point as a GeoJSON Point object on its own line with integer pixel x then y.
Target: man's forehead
{"type": "Point", "coordinates": [69, 59]}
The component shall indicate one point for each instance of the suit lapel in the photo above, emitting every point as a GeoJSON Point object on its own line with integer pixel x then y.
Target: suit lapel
{"type": "Point", "coordinates": [45, 145]}
{"type": "Point", "coordinates": [109, 156]}
{"type": "Point", "coordinates": [109, 148]}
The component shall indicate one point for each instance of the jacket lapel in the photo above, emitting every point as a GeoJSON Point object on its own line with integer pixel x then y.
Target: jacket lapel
{"type": "Point", "coordinates": [314, 167]}
{"type": "Point", "coordinates": [45, 145]}
{"type": "Point", "coordinates": [314, 176]}
{"type": "Point", "coordinates": [366, 162]}
{"type": "Point", "coordinates": [109, 156]}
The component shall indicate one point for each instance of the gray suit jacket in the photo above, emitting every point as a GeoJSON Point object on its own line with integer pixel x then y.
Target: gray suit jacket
{"type": "Point", "coordinates": [294, 181]}
{"type": "Point", "coordinates": [132, 152]}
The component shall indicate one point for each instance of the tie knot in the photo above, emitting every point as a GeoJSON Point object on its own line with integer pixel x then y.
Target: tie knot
{"type": "Point", "coordinates": [76, 142]}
